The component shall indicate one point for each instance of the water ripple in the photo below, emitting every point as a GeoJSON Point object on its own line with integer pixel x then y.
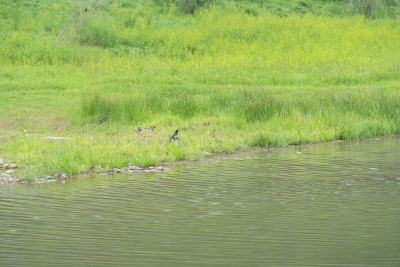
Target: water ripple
{"type": "Point", "coordinates": [330, 205]}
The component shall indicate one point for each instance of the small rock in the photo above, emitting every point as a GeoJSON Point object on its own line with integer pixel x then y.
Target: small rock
{"type": "Point", "coordinates": [5, 177]}
{"type": "Point", "coordinates": [9, 171]}
{"type": "Point", "coordinates": [206, 153]}
{"type": "Point", "coordinates": [139, 129]}
{"type": "Point", "coordinates": [131, 164]}
{"type": "Point", "coordinates": [25, 131]}
{"type": "Point", "coordinates": [48, 177]}
{"type": "Point", "coordinates": [119, 171]}
{"type": "Point", "coordinates": [160, 168]}
{"type": "Point", "coordinates": [13, 166]}
{"type": "Point", "coordinates": [136, 168]}
{"type": "Point", "coordinates": [1, 161]}
{"type": "Point", "coordinates": [6, 166]}
{"type": "Point", "coordinates": [151, 167]}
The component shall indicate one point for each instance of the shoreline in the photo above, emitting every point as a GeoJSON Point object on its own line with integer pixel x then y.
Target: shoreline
{"type": "Point", "coordinates": [7, 179]}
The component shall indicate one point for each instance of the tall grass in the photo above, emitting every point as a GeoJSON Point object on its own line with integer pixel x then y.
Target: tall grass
{"type": "Point", "coordinates": [248, 106]}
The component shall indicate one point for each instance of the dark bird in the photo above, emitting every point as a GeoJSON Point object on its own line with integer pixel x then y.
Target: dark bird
{"type": "Point", "coordinates": [85, 10]}
{"type": "Point", "coordinates": [174, 136]}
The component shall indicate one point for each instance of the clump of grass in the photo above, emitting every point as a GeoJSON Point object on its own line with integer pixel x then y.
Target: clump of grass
{"type": "Point", "coordinates": [374, 8]}
{"type": "Point", "coordinates": [189, 6]}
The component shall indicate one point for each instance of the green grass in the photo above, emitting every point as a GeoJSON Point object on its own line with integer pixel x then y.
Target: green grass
{"type": "Point", "coordinates": [229, 79]}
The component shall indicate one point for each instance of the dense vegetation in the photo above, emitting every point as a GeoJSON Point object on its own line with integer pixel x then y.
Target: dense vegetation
{"type": "Point", "coordinates": [230, 75]}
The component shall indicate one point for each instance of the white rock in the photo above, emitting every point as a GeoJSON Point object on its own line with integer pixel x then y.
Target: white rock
{"type": "Point", "coordinates": [9, 171]}
{"type": "Point", "coordinates": [136, 168]}
{"type": "Point", "coordinates": [13, 166]}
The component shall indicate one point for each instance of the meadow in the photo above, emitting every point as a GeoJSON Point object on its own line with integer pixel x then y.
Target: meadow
{"type": "Point", "coordinates": [230, 77]}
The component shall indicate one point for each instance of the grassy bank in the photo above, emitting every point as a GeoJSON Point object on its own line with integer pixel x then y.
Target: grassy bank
{"type": "Point", "coordinates": [227, 78]}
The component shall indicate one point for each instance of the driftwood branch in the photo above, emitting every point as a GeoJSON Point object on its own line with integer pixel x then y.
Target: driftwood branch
{"type": "Point", "coordinates": [69, 21]}
{"type": "Point", "coordinates": [81, 20]}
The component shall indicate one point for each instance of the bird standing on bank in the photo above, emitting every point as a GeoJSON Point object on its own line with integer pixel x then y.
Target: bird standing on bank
{"type": "Point", "coordinates": [174, 136]}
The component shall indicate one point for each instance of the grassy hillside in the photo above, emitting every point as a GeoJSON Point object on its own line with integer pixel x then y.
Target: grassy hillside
{"type": "Point", "coordinates": [231, 76]}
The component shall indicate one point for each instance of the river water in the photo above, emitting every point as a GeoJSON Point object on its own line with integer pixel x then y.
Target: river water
{"type": "Point", "coordinates": [322, 205]}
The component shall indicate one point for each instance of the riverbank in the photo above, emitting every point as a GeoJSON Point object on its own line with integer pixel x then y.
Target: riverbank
{"type": "Point", "coordinates": [8, 169]}
{"type": "Point", "coordinates": [314, 116]}
{"type": "Point", "coordinates": [229, 80]}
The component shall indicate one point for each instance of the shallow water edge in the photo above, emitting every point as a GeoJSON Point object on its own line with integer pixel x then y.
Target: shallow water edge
{"type": "Point", "coordinates": [131, 169]}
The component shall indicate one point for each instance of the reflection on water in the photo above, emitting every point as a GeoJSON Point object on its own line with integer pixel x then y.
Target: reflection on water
{"type": "Point", "coordinates": [324, 205]}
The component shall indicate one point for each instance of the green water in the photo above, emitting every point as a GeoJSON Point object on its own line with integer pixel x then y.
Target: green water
{"type": "Point", "coordinates": [324, 205]}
